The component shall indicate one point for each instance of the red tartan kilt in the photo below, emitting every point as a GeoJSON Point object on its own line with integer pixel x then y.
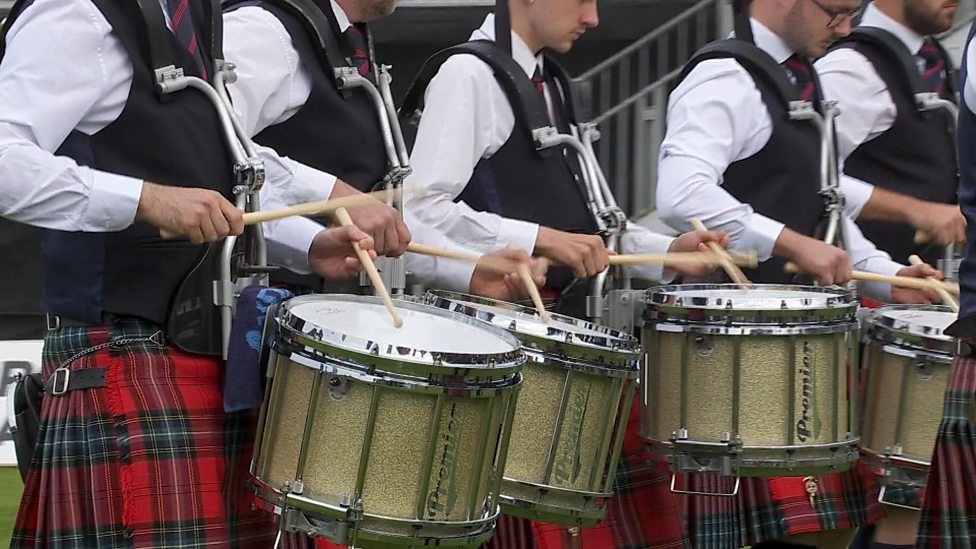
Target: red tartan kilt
{"type": "Point", "coordinates": [949, 508]}
{"type": "Point", "coordinates": [149, 460]}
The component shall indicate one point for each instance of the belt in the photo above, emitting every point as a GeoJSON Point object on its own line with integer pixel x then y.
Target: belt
{"type": "Point", "coordinates": [56, 322]}
{"type": "Point", "coordinates": [64, 380]}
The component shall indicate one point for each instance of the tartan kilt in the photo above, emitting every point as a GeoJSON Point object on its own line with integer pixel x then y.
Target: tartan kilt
{"type": "Point", "coordinates": [949, 508]}
{"type": "Point", "coordinates": [769, 508]}
{"type": "Point", "coordinates": [149, 460]}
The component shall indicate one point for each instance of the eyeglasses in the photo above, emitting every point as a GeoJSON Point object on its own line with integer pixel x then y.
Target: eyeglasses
{"type": "Point", "coordinates": [838, 16]}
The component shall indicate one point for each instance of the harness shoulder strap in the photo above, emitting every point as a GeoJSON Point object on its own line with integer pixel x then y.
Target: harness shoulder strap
{"type": "Point", "coordinates": [517, 86]}
{"type": "Point", "coordinates": [893, 52]}
{"type": "Point", "coordinates": [322, 27]}
{"type": "Point", "coordinates": [568, 87]}
{"type": "Point", "coordinates": [756, 61]}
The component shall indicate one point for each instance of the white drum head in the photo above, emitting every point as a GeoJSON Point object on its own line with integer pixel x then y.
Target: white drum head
{"type": "Point", "coordinates": [918, 320]}
{"type": "Point", "coordinates": [422, 329]}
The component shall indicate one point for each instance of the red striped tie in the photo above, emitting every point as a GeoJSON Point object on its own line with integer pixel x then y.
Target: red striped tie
{"type": "Point", "coordinates": [182, 20]}
{"type": "Point", "coordinates": [932, 66]}
{"type": "Point", "coordinates": [802, 75]}
{"type": "Point", "coordinates": [360, 51]}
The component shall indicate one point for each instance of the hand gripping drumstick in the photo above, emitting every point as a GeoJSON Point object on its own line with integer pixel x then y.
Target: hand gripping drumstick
{"type": "Point", "coordinates": [309, 208]}
{"type": "Point", "coordinates": [496, 263]}
{"type": "Point", "coordinates": [900, 281]}
{"type": "Point", "coordinates": [731, 269]}
{"type": "Point", "coordinates": [936, 285]}
{"type": "Point", "coordinates": [374, 276]}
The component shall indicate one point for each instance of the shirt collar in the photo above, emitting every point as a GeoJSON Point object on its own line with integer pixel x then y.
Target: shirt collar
{"type": "Point", "coordinates": [874, 17]}
{"type": "Point", "coordinates": [770, 42]}
{"type": "Point", "coordinates": [520, 50]}
{"type": "Point", "coordinates": [341, 18]}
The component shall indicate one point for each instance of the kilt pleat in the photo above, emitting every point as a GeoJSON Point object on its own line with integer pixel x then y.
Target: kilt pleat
{"type": "Point", "coordinates": [949, 507]}
{"type": "Point", "coordinates": [149, 460]}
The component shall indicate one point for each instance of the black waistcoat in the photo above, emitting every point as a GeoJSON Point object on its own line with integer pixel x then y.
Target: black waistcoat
{"type": "Point", "coordinates": [334, 132]}
{"type": "Point", "coordinates": [916, 157]}
{"type": "Point", "coordinates": [178, 142]}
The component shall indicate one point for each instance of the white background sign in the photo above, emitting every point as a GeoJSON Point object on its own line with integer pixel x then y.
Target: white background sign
{"type": "Point", "coordinates": [15, 357]}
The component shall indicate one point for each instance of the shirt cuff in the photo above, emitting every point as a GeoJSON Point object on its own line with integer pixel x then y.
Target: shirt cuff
{"type": "Point", "coordinates": [311, 185]}
{"type": "Point", "coordinates": [520, 234]}
{"type": "Point", "coordinates": [647, 242]}
{"type": "Point", "coordinates": [880, 291]}
{"type": "Point", "coordinates": [289, 241]}
{"type": "Point", "coordinates": [441, 273]}
{"type": "Point", "coordinates": [113, 202]}
{"type": "Point", "coordinates": [857, 193]}
{"type": "Point", "coordinates": [761, 235]}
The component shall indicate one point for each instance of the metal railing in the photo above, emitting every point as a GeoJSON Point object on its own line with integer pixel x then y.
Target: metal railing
{"type": "Point", "coordinates": [627, 96]}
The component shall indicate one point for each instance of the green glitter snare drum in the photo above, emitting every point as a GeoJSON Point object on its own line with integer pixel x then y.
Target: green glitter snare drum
{"type": "Point", "coordinates": [568, 428]}
{"type": "Point", "coordinates": [908, 358]}
{"type": "Point", "coordinates": [375, 436]}
{"type": "Point", "coordinates": [750, 380]}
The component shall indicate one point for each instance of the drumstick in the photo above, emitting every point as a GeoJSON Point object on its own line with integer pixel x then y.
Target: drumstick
{"type": "Point", "coordinates": [922, 237]}
{"type": "Point", "coordinates": [683, 258]}
{"type": "Point", "coordinates": [374, 276]}
{"type": "Point", "coordinates": [900, 281]}
{"type": "Point", "coordinates": [947, 298]}
{"type": "Point", "coordinates": [499, 264]}
{"type": "Point", "coordinates": [308, 208]}
{"type": "Point", "coordinates": [730, 268]}
{"type": "Point", "coordinates": [526, 274]}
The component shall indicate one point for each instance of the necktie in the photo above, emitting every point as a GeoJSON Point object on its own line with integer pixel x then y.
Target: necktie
{"type": "Point", "coordinates": [802, 73]}
{"type": "Point", "coordinates": [538, 81]}
{"type": "Point", "coordinates": [182, 20]}
{"type": "Point", "coordinates": [360, 51]}
{"type": "Point", "coordinates": [932, 66]}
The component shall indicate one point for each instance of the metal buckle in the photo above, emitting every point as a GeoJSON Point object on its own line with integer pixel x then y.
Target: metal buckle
{"type": "Point", "coordinates": [963, 349]}
{"type": "Point", "coordinates": [61, 388]}
{"type": "Point", "coordinates": [53, 322]}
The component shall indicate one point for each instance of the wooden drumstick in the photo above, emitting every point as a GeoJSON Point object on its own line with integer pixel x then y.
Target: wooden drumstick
{"type": "Point", "coordinates": [936, 285]}
{"type": "Point", "coordinates": [374, 276]}
{"type": "Point", "coordinates": [922, 237]}
{"type": "Point", "coordinates": [730, 268]}
{"type": "Point", "coordinates": [526, 274]}
{"type": "Point", "coordinates": [683, 258]}
{"type": "Point", "coordinates": [900, 281]}
{"type": "Point", "coordinates": [498, 264]}
{"type": "Point", "coordinates": [309, 208]}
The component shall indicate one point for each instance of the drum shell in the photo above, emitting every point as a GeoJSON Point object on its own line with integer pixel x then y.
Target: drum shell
{"type": "Point", "coordinates": [569, 424]}
{"type": "Point", "coordinates": [433, 454]}
{"type": "Point", "coordinates": [766, 391]}
{"type": "Point", "coordinates": [566, 440]}
{"type": "Point", "coordinates": [903, 400]}
{"type": "Point", "coordinates": [424, 453]}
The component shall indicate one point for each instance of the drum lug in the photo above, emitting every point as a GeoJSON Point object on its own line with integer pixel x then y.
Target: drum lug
{"type": "Point", "coordinates": [298, 487]}
{"type": "Point", "coordinates": [338, 387]}
{"type": "Point", "coordinates": [704, 346]}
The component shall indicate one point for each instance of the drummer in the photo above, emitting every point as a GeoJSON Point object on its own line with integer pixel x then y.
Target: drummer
{"type": "Point", "coordinates": [286, 96]}
{"type": "Point", "coordinates": [885, 140]}
{"type": "Point", "coordinates": [468, 150]}
{"type": "Point", "coordinates": [732, 158]}
{"type": "Point", "coordinates": [947, 511]}
{"type": "Point", "coordinates": [910, 157]}
{"type": "Point", "coordinates": [135, 448]}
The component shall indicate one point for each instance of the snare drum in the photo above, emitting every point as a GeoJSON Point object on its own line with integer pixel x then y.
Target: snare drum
{"type": "Point", "coordinates": [568, 430]}
{"type": "Point", "coordinates": [908, 359]}
{"type": "Point", "coordinates": [750, 380]}
{"type": "Point", "coordinates": [376, 436]}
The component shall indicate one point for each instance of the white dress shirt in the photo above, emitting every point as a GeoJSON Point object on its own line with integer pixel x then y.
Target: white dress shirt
{"type": "Point", "coordinates": [716, 117]}
{"type": "Point", "coordinates": [274, 82]}
{"type": "Point", "coordinates": [65, 70]}
{"type": "Point", "coordinates": [468, 118]}
{"type": "Point", "coordinates": [867, 109]}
